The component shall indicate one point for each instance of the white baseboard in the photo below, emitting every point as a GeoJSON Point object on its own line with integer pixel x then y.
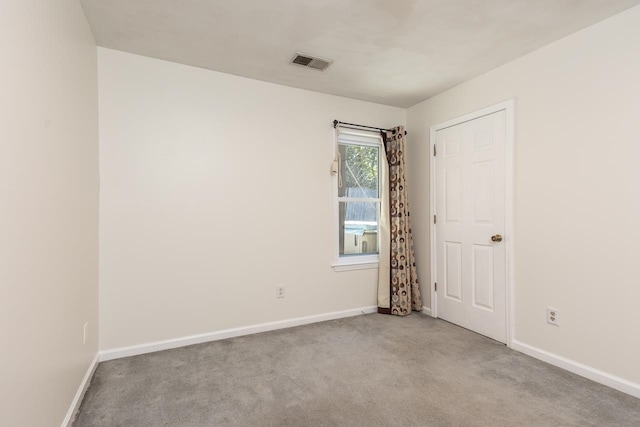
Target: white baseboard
{"type": "Point", "coordinates": [593, 374]}
{"type": "Point", "coordinates": [77, 399]}
{"type": "Point", "coordinates": [229, 333]}
{"type": "Point", "coordinates": [426, 310]}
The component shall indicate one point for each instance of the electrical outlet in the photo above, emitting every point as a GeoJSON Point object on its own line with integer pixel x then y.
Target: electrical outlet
{"type": "Point", "coordinates": [85, 333]}
{"type": "Point", "coordinates": [553, 316]}
{"type": "Point", "coordinates": [280, 291]}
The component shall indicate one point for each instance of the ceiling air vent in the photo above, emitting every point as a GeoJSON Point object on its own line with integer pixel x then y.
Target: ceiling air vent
{"type": "Point", "coordinates": [311, 61]}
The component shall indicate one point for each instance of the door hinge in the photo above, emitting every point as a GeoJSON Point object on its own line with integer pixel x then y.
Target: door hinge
{"type": "Point", "coordinates": [434, 219]}
{"type": "Point", "coordinates": [435, 287]}
{"type": "Point", "coordinates": [434, 150]}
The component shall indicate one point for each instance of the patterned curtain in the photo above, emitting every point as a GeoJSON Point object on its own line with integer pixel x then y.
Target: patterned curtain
{"type": "Point", "coordinates": [401, 293]}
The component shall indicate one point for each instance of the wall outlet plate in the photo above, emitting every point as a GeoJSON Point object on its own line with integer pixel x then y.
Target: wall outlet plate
{"type": "Point", "coordinates": [280, 291]}
{"type": "Point", "coordinates": [85, 333]}
{"type": "Point", "coordinates": [553, 316]}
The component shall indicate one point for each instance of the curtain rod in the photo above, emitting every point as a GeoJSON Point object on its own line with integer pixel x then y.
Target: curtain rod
{"type": "Point", "coordinates": [355, 126]}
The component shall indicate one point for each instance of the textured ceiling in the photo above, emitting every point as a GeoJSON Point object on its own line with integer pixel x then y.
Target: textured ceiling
{"type": "Point", "coordinates": [394, 52]}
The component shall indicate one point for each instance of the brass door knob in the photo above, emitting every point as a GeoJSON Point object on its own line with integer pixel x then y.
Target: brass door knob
{"type": "Point", "coordinates": [496, 238]}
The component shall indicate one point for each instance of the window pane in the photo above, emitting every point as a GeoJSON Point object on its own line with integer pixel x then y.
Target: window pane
{"type": "Point", "coordinates": [358, 228]}
{"type": "Point", "coordinates": [359, 165]}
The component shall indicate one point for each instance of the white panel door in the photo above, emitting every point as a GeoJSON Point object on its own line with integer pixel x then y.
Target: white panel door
{"type": "Point", "coordinates": [470, 211]}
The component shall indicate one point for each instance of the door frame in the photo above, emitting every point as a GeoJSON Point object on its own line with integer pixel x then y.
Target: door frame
{"type": "Point", "coordinates": [509, 107]}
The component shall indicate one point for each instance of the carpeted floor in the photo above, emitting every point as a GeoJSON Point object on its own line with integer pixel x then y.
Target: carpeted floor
{"type": "Point", "coordinates": [371, 370]}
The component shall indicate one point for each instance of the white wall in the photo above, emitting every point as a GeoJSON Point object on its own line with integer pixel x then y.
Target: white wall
{"type": "Point", "coordinates": [215, 188]}
{"type": "Point", "coordinates": [577, 202]}
{"type": "Point", "coordinates": [48, 208]}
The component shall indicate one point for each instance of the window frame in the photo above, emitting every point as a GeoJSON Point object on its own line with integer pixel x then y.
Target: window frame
{"type": "Point", "coordinates": [355, 262]}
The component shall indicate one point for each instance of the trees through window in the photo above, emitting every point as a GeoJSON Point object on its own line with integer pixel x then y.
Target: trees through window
{"type": "Point", "coordinates": [358, 197]}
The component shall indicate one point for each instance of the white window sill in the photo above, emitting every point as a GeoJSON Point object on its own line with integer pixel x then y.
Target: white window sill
{"type": "Point", "coordinates": [343, 266]}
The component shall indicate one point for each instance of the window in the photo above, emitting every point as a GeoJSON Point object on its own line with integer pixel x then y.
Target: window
{"type": "Point", "coordinates": [357, 200]}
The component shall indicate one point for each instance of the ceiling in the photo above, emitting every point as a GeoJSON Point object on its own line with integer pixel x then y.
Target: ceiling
{"type": "Point", "coordinates": [394, 52]}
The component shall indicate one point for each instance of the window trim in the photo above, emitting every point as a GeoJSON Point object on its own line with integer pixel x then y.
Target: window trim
{"type": "Point", "coordinates": [353, 262]}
